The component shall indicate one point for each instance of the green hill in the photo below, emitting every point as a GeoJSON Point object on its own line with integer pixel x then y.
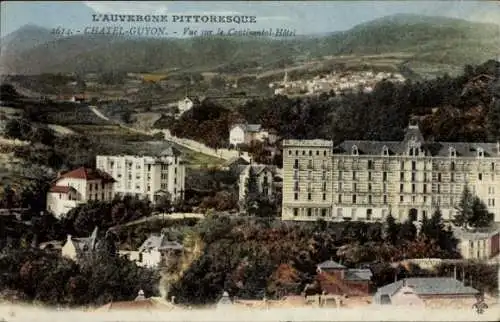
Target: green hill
{"type": "Point", "coordinates": [431, 40]}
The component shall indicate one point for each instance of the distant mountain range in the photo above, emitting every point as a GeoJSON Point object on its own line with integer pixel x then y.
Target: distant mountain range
{"type": "Point", "coordinates": [433, 40]}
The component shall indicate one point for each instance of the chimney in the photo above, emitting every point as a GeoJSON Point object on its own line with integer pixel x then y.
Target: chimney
{"type": "Point", "coordinates": [68, 239]}
{"type": "Point", "coordinates": [172, 299]}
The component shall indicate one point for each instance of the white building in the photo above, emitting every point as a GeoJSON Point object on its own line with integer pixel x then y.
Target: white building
{"type": "Point", "coordinates": [156, 251]}
{"type": "Point", "coordinates": [77, 187]}
{"type": "Point", "coordinates": [367, 180]}
{"type": "Point", "coordinates": [153, 177]}
{"type": "Point", "coordinates": [185, 105]}
{"type": "Point", "coordinates": [478, 245]}
{"type": "Point", "coordinates": [246, 133]}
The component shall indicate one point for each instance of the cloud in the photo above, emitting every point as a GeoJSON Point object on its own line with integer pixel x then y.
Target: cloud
{"type": "Point", "coordinates": [125, 7]}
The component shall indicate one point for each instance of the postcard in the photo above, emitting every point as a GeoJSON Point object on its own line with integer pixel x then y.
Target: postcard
{"type": "Point", "coordinates": [249, 161]}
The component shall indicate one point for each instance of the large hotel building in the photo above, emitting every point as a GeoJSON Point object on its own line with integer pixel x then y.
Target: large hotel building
{"type": "Point", "coordinates": [367, 180]}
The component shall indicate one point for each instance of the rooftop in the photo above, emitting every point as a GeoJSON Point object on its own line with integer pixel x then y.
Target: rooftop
{"type": "Point", "coordinates": [87, 174]}
{"type": "Point", "coordinates": [160, 242]}
{"type": "Point", "coordinates": [428, 286]}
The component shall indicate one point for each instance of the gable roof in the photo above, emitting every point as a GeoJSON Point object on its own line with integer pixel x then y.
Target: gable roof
{"type": "Point", "coordinates": [428, 286]}
{"type": "Point", "coordinates": [85, 244]}
{"type": "Point", "coordinates": [330, 264]}
{"type": "Point", "coordinates": [61, 189]}
{"type": "Point", "coordinates": [88, 174]}
{"type": "Point", "coordinates": [161, 242]}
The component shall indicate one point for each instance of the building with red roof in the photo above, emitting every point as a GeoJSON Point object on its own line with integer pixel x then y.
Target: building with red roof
{"type": "Point", "coordinates": [78, 186]}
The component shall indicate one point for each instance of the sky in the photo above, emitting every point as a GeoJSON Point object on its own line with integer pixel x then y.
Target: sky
{"type": "Point", "coordinates": [303, 17]}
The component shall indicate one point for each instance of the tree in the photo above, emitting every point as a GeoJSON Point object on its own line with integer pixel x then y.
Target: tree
{"type": "Point", "coordinates": [391, 229]}
{"type": "Point", "coordinates": [464, 209]}
{"type": "Point", "coordinates": [472, 212]}
{"type": "Point", "coordinates": [493, 120]}
{"type": "Point", "coordinates": [481, 217]}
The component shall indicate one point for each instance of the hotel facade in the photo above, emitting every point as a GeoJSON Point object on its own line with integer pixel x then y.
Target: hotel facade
{"type": "Point", "coordinates": [367, 180]}
{"type": "Point", "coordinates": [149, 176]}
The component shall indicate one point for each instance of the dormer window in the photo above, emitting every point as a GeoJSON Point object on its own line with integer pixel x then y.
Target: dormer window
{"type": "Point", "coordinates": [480, 152]}
{"type": "Point", "coordinates": [385, 151]}
{"type": "Point", "coordinates": [452, 152]}
{"type": "Point", "coordinates": [413, 151]}
{"type": "Point", "coordinates": [354, 150]}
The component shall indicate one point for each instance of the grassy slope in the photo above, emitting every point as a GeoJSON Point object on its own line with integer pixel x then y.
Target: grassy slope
{"type": "Point", "coordinates": [429, 39]}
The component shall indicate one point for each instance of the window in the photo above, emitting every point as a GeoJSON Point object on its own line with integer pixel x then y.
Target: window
{"type": "Point", "coordinates": [402, 176]}
{"type": "Point", "coordinates": [480, 152]}
{"type": "Point", "coordinates": [296, 152]}
{"type": "Point", "coordinates": [425, 188]}
{"type": "Point", "coordinates": [452, 177]}
{"type": "Point", "coordinates": [492, 166]}
{"type": "Point", "coordinates": [324, 186]}
{"type": "Point", "coordinates": [369, 176]}
{"type": "Point", "coordinates": [385, 151]}
{"type": "Point", "coordinates": [317, 152]}
{"type": "Point", "coordinates": [353, 199]}
{"type": "Point", "coordinates": [295, 212]}
{"type": "Point", "coordinates": [354, 187]}
{"type": "Point", "coordinates": [324, 175]}
{"type": "Point", "coordinates": [309, 212]}
{"type": "Point", "coordinates": [385, 199]}
{"type": "Point", "coordinates": [413, 176]}
{"type": "Point", "coordinates": [402, 165]}
{"type": "Point", "coordinates": [310, 164]}
{"type": "Point", "coordinates": [340, 198]}
{"type": "Point", "coordinates": [290, 153]}
{"type": "Point", "coordinates": [401, 187]}
{"type": "Point", "coordinates": [323, 212]}
{"type": "Point", "coordinates": [296, 164]}
{"type": "Point", "coordinates": [296, 188]}
{"type": "Point", "coordinates": [369, 187]}
{"type": "Point", "coordinates": [369, 199]}
{"type": "Point", "coordinates": [340, 175]}
{"type": "Point", "coordinates": [414, 165]}
{"type": "Point", "coordinates": [384, 176]}
{"type": "Point", "coordinates": [452, 166]}
{"type": "Point", "coordinates": [401, 198]}
{"type": "Point", "coordinates": [309, 196]}
{"type": "Point", "coordinates": [439, 177]}
{"type": "Point", "coordinates": [296, 175]}
{"type": "Point", "coordinates": [370, 164]}
{"type": "Point", "coordinates": [413, 188]}
{"type": "Point", "coordinates": [324, 153]}
{"type": "Point", "coordinates": [480, 176]}
{"type": "Point", "coordinates": [296, 196]}
{"type": "Point", "coordinates": [384, 187]}
{"type": "Point", "coordinates": [324, 196]}
{"type": "Point", "coordinates": [354, 150]}
{"type": "Point", "coordinates": [368, 214]}
{"type": "Point", "coordinates": [340, 186]}
{"type": "Point", "coordinates": [303, 152]}
{"type": "Point", "coordinates": [354, 175]}
{"type": "Point", "coordinates": [310, 153]}
{"type": "Point", "coordinates": [452, 151]}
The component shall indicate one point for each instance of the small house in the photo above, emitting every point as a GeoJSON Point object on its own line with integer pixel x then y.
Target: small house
{"type": "Point", "coordinates": [335, 278]}
{"type": "Point", "coordinates": [156, 251]}
{"type": "Point", "coordinates": [427, 291]}
{"type": "Point", "coordinates": [75, 248]}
